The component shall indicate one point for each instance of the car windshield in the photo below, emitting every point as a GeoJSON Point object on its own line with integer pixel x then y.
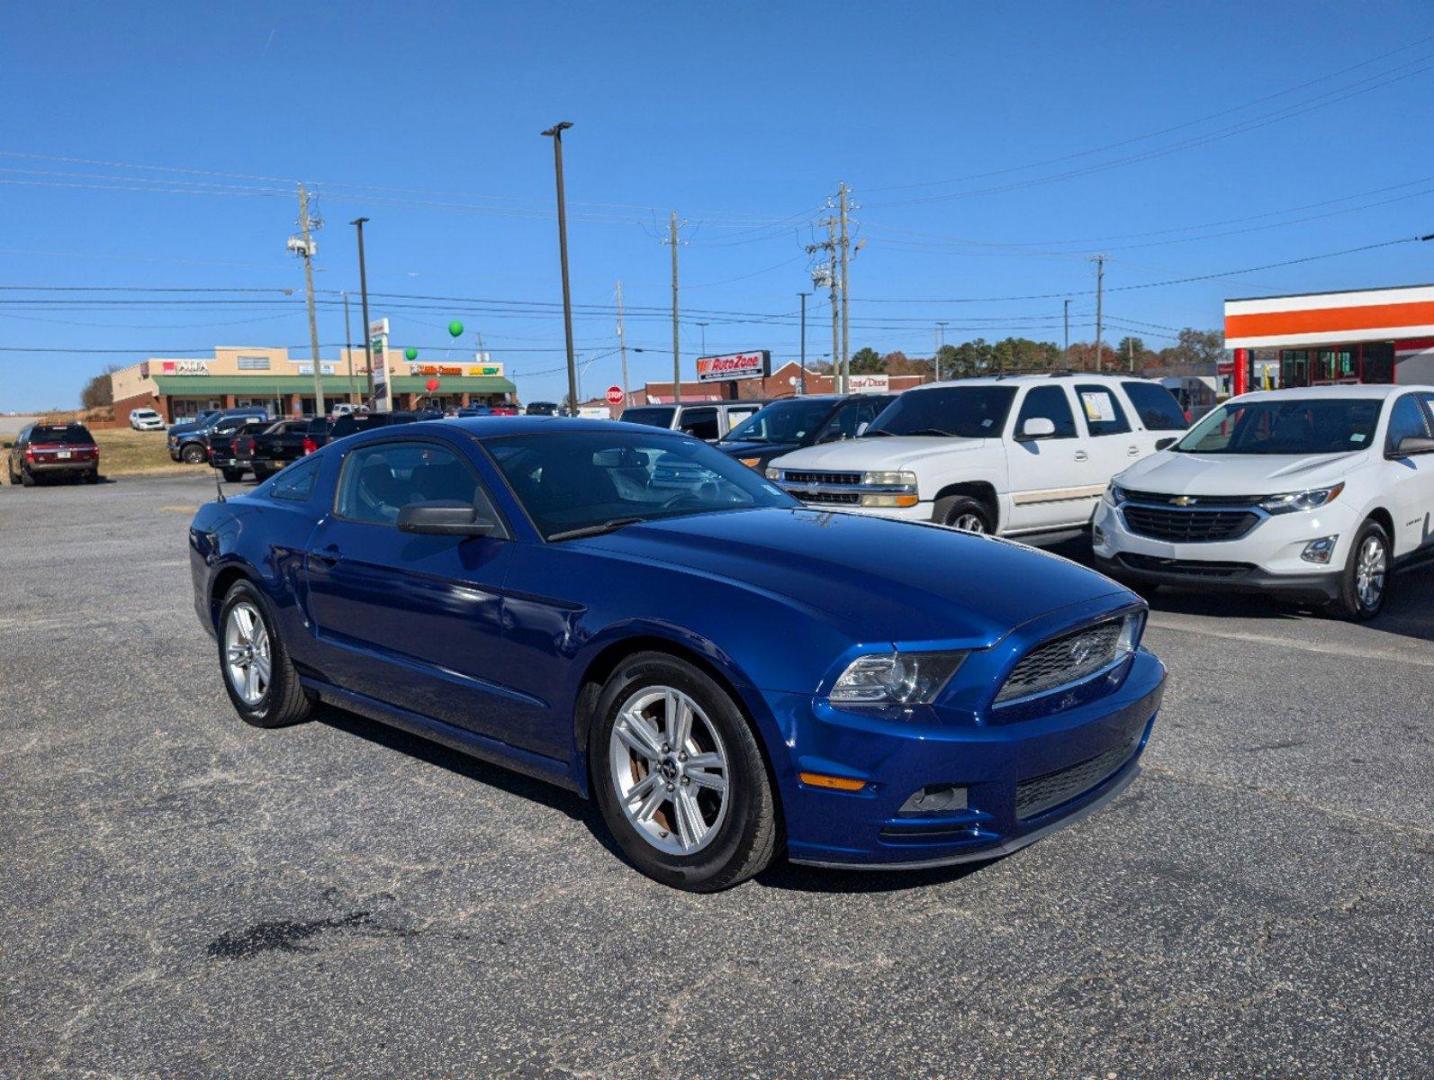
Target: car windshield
{"type": "Point", "coordinates": [1288, 426]}
{"type": "Point", "coordinates": [69, 436]}
{"type": "Point", "coordinates": [588, 480]}
{"type": "Point", "coordinates": [652, 417]}
{"type": "Point", "coordinates": [971, 412]}
{"type": "Point", "coordinates": [781, 422]}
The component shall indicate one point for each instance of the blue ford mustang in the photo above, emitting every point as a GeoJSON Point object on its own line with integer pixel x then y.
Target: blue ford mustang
{"type": "Point", "coordinates": [631, 614]}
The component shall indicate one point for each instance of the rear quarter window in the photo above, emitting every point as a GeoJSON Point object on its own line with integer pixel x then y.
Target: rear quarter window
{"type": "Point", "coordinates": [1156, 406]}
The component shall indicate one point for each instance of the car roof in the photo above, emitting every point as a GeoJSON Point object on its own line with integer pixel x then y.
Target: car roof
{"type": "Point", "coordinates": [1031, 380]}
{"type": "Point", "coordinates": [1375, 391]}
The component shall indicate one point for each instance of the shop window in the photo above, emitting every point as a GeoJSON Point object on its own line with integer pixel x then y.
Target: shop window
{"type": "Point", "coordinates": [1377, 362]}
{"type": "Point", "coordinates": [253, 363]}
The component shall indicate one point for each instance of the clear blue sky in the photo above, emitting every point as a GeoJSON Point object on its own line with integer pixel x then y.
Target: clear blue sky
{"type": "Point", "coordinates": [741, 116]}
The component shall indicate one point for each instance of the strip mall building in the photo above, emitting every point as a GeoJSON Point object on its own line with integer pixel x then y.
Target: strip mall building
{"type": "Point", "coordinates": [232, 377]}
{"type": "Point", "coordinates": [1359, 336]}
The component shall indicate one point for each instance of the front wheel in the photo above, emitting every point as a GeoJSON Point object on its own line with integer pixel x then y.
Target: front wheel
{"type": "Point", "coordinates": [1364, 585]}
{"type": "Point", "coordinates": [679, 777]}
{"type": "Point", "coordinates": [258, 675]}
{"type": "Point", "coordinates": [233, 476]}
{"type": "Point", "coordinates": [261, 474]}
{"type": "Point", "coordinates": [964, 513]}
{"type": "Point", "coordinates": [193, 454]}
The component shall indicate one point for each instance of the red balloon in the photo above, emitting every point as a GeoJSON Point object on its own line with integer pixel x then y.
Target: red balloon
{"type": "Point", "coordinates": [432, 385]}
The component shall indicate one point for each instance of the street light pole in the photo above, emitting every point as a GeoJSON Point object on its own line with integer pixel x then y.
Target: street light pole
{"type": "Point", "coordinates": [940, 345]}
{"type": "Point", "coordinates": [802, 369]}
{"type": "Point", "coordinates": [358, 223]}
{"type": "Point", "coordinates": [556, 133]}
{"type": "Point", "coordinates": [349, 348]}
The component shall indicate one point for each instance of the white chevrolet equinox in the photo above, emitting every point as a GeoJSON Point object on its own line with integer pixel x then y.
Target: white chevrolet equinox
{"type": "Point", "coordinates": [1020, 455]}
{"type": "Point", "coordinates": [1315, 495]}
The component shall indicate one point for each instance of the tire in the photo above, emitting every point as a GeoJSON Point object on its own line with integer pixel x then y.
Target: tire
{"type": "Point", "coordinates": [193, 454]}
{"type": "Point", "coordinates": [277, 701]}
{"type": "Point", "coordinates": [261, 474]}
{"type": "Point", "coordinates": [964, 513]}
{"type": "Point", "coordinates": [233, 476]}
{"type": "Point", "coordinates": [735, 834]}
{"type": "Point", "coordinates": [27, 478]}
{"type": "Point", "coordinates": [1364, 584]}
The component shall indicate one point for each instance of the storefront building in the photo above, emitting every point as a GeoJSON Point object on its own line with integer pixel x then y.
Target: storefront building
{"type": "Point", "coordinates": [181, 388]}
{"type": "Point", "coordinates": [1321, 339]}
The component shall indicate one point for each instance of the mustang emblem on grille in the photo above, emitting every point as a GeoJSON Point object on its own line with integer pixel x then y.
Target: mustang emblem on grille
{"type": "Point", "coordinates": [1183, 500]}
{"type": "Point", "coordinates": [1081, 650]}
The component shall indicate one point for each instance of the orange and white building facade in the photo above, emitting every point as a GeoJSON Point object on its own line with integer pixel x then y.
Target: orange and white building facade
{"type": "Point", "coordinates": [1358, 336]}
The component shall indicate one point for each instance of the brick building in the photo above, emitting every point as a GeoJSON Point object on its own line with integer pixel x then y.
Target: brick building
{"type": "Point", "coordinates": [783, 382]}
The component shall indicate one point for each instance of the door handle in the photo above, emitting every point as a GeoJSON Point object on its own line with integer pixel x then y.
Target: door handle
{"type": "Point", "coordinates": [1133, 451]}
{"type": "Point", "coordinates": [1081, 455]}
{"type": "Point", "coordinates": [328, 556]}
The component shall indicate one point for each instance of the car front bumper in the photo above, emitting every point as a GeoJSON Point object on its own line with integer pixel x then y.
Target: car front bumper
{"type": "Point", "coordinates": [1266, 559]}
{"type": "Point", "coordinates": [1022, 779]}
{"type": "Point", "coordinates": [922, 511]}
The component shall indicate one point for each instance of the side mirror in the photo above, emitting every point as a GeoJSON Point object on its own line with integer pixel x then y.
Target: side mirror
{"type": "Point", "coordinates": [861, 428]}
{"type": "Point", "coordinates": [1410, 445]}
{"type": "Point", "coordinates": [1038, 427]}
{"type": "Point", "coordinates": [444, 519]}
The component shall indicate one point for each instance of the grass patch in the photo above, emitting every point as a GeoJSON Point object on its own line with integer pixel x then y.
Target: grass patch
{"type": "Point", "coordinates": [124, 451]}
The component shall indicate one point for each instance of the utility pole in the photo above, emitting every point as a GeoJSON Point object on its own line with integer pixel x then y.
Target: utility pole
{"type": "Point", "coordinates": [1067, 352]}
{"type": "Point", "coordinates": [622, 348]}
{"type": "Point", "coordinates": [1099, 296]}
{"type": "Point", "coordinates": [802, 363]}
{"type": "Point", "coordinates": [676, 342]}
{"type": "Point", "coordinates": [828, 276]}
{"type": "Point", "coordinates": [845, 292]}
{"type": "Point", "coordinates": [940, 344]}
{"type": "Point", "coordinates": [358, 223]}
{"type": "Point", "coordinates": [349, 349]}
{"type": "Point", "coordinates": [556, 133]}
{"type": "Point", "coordinates": [305, 248]}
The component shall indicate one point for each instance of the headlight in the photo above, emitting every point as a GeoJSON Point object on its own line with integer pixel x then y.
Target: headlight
{"type": "Point", "coordinates": [1301, 500]}
{"type": "Point", "coordinates": [895, 678]}
{"type": "Point", "coordinates": [1115, 494]}
{"type": "Point", "coordinates": [775, 475]}
{"type": "Point", "coordinates": [890, 479]}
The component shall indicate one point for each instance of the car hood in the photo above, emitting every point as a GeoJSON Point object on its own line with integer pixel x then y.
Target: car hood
{"type": "Point", "coordinates": [876, 579]}
{"type": "Point", "coordinates": [1237, 474]}
{"type": "Point", "coordinates": [746, 448]}
{"type": "Point", "coordinates": [877, 452]}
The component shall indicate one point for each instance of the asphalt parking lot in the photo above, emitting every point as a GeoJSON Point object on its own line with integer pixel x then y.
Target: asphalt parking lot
{"type": "Point", "coordinates": [183, 895]}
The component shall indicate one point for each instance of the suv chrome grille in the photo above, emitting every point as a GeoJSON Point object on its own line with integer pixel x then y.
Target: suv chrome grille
{"type": "Point", "coordinates": [790, 476]}
{"type": "Point", "coordinates": [1161, 523]}
{"type": "Point", "coordinates": [1063, 660]}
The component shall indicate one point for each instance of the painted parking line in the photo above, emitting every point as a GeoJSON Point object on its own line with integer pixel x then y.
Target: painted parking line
{"type": "Point", "coordinates": [1408, 651]}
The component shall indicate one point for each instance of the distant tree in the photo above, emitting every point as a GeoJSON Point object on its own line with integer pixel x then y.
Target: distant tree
{"type": "Point", "coordinates": [1129, 347]}
{"type": "Point", "coordinates": [1195, 349]}
{"type": "Point", "coordinates": [898, 363]}
{"type": "Point", "coordinates": [949, 365]}
{"type": "Point", "coordinates": [867, 362]}
{"type": "Point", "coordinates": [972, 357]}
{"type": "Point", "coordinates": [99, 391]}
{"type": "Point", "coordinates": [1023, 354]}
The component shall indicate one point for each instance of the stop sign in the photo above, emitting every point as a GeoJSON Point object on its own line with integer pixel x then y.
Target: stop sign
{"type": "Point", "coordinates": [615, 395]}
{"type": "Point", "coordinates": [432, 385]}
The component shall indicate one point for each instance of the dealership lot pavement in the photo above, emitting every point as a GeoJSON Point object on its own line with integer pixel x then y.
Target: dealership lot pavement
{"type": "Point", "coordinates": [183, 895]}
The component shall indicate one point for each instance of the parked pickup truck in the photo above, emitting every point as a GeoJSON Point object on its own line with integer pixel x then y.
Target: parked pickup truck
{"type": "Point", "coordinates": [286, 441]}
{"type": "Point", "coordinates": [1019, 456]}
{"type": "Point", "coordinates": [228, 445]}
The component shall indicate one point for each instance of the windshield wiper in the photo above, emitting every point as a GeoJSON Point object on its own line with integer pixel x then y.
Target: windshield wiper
{"type": "Point", "coordinates": [931, 431]}
{"type": "Point", "coordinates": [611, 525]}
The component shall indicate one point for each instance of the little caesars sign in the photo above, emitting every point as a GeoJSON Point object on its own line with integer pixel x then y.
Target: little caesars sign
{"type": "Point", "coordinates": [742, 365]}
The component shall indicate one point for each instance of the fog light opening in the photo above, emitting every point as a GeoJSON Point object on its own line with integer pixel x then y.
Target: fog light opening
{"type": "Point", "coordinates": [1320, 551]}
{"type": "Point", "coordinates": [1097, 535]}
{"type": "Point", "coordinates": [935, 799]}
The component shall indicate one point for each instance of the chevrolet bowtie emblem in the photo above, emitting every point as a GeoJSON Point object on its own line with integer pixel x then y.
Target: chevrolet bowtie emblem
{"type": "Point", "coordinates": [1182, 500]}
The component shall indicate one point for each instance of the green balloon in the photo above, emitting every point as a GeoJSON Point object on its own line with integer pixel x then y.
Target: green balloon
{"type": "Point", "coordinates": [455, 328]}
{"type": "Point", "coordinates": [411, 353]}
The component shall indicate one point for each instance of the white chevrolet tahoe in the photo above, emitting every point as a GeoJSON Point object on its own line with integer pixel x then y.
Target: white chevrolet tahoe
{"type": "Point", "coordinates": [1019, 456]}
{"type": "Point", "coordinates": [1314, 495]}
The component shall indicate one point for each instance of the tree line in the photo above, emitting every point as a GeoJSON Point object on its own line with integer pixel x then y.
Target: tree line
{"type": "Point", "coordinates": [1195, 352]}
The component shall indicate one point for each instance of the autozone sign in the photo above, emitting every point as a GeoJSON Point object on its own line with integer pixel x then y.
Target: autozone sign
{"type": "Point", "coordinates": [743, 365]}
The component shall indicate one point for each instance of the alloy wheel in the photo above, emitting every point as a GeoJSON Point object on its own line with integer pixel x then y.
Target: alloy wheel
{"type": "Point", "coordinates": [669, 769]}
{"type": "Point", "coordinates": [247, 661]}
{"type": "Point", "coordinates": [1369, 572]}
{"type": "Point", "coordinates": [969, 522]}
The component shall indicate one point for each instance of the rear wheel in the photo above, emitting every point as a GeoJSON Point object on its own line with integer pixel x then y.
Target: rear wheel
{"type": "Point", "coordinates": [1364, 585]}
{"type": "Point", "coordinates": [258, 675]}
{"type": "Point", "coordinates": [233, 476]}
{"type": "Point", "coordinates": [261, 474]}
{"type": "Point", "coordinates": [192, 454]}
{"type": "Point", "coordinates": [27, 478]}
{"type": "Point", "coordinates": [964, 513]}
{"type": "Point", "coordinates": [679, 777]}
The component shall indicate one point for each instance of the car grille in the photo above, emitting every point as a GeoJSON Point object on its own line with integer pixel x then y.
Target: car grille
{"type": "Point", "coordinates": [1064, 660]}
{"type": "Point", "coordinates": [1160, 498]}
{"type": "Point", "coordinates": [1160, 523]}
{"type": "Point", "coordinates": [849, 478]}
{"type": "Point", "coordinates": [1190, 567]}
{"type": "Point", "coordinates": [830, 498]}
{"type": "Point", "coordinates": [1042, 793]}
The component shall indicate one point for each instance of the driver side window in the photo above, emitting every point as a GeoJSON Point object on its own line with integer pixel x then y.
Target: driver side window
{"type": "Point", "coordinates": [1406, 420]}
{"type": "Point", "coordinates": [380, 480]}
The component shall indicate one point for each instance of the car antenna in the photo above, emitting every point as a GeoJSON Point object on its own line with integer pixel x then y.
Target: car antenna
{"type": "Point", "coordinates": [219, 487]}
